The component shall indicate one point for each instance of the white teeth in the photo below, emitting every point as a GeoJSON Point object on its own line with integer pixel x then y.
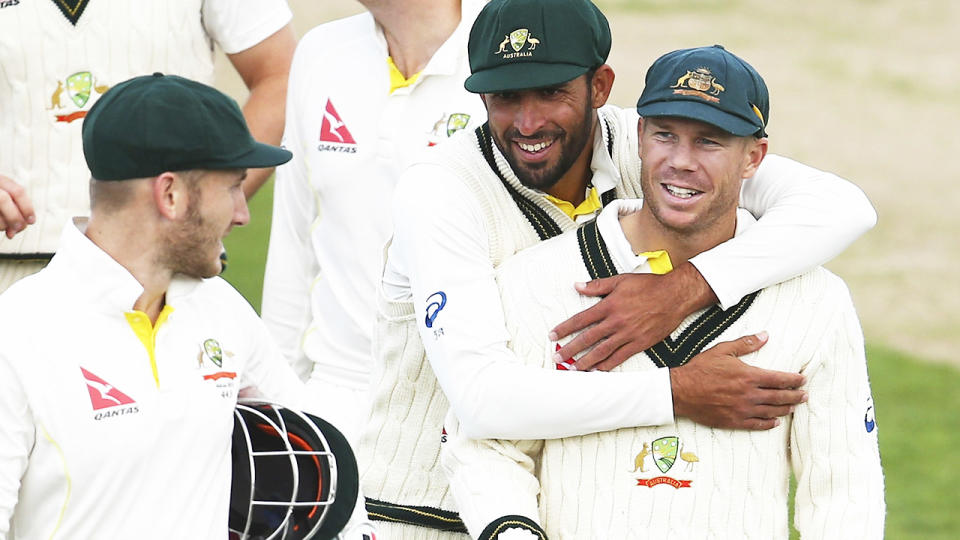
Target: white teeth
{"type": "Point", "coordinates": [683, 193]}
{"type": "Point", "coordinates": [534, 147]}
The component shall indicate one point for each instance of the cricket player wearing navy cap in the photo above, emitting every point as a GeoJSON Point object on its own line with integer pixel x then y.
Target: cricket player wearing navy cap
{"type": "Point", "coordinates": [702, 135]}
{"type": "Point", "coordinates": [122, 360]}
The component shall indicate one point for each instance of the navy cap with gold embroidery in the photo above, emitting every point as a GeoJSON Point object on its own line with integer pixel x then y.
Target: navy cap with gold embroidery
{"type": "Point", "coordinates": [521, 44]}
{"type": "Point", "coordinates": [709, 84]}
{"type": "Point", "coordinates": [156, 123]}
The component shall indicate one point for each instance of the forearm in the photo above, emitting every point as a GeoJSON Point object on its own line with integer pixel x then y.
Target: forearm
{"type": "Point", "coordinates": [265, 69]}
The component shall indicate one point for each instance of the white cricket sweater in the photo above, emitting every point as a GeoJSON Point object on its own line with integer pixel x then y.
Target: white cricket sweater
{"type": "Point", "coordinates": [683, 480]}
{"type": "Point", "coordinates": [54, 71]}
{"type": "Point", "coordinates": [399, 452]}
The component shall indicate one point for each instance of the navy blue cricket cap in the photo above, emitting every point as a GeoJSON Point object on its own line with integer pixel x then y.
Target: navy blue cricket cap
{"type": "Point", "coordinates": [522, 44]}
{"type": "Point", "coordinates": [709, 84]}
{"type": "Point", "coordinates": [152, 124]}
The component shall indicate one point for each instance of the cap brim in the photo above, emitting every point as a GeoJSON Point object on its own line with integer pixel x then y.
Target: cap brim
{"type": "Point", "coordinates": [521, 76]}
{"type": "Point", "coordinates": [260, 156]}
{"type": "Point", "coordinates": [702, 112]}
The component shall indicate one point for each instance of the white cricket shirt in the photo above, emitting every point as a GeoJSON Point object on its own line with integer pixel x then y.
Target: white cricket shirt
{"type": "Point", "coordinates": [91, 444]}
{"type": "Point", "coordinates": [54, 71]}
{"type": "Point", "coordinates": [351, 139]}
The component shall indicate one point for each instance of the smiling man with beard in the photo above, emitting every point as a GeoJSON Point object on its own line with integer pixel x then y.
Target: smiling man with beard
{"type": "Point", "coordinates": [122, 360]}
{"type": "Point", "coordinates": [550, 157]}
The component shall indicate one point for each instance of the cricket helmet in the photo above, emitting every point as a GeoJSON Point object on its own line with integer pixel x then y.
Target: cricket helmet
{"type": "Point", "coordinates": [294, 475]}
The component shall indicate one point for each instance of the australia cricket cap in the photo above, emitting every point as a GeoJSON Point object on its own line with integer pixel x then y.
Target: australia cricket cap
{"type": "Point", "coordinates": [521, 44]}
{"type": "Point", "coordinates": [709, 84]}
{"type": "Point", "coordinates": [151, 124]}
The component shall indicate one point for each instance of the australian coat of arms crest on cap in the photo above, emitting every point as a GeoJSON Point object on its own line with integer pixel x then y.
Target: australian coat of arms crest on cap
{"type": "Point", "coordinates": [520, 41]}
{"type": "Point", "coordinates": [700, 83]}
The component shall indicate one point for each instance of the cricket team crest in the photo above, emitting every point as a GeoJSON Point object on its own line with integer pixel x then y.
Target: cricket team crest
{"type": "Point", "coordinates": [211, 361]}
{"type": "Point", "coordinates": [446, 126]}
{"type": "Point", "coordinates": [70, 100]}
{"type": "Point", "coordinates": [213, 352]}
{"type": "Point", "coordinates": [664, 454]}
{"type": "Point", "coordinates": [521, 42]}
{"type": "Point", "coordinates": [699, 83]}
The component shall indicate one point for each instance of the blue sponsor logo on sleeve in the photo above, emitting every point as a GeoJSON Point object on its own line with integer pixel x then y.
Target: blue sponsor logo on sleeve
{"type": "Point", "coordinates": [435, 303]}
{"type": "Point", "coordinates": [869, 418]}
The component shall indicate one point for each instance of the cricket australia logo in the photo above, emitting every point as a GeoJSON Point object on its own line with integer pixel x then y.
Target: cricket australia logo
{"type": "Point", "coordinates": [521, 43]}
{"type": "Point", "coordinates": [79, 88]}
{"type": "Point", "coordinates": [663, 454]}
{"type": "Point", "coordinates": [699, 83]}
{"type": "Point", "coordinates": [211, 352]}
{"type": "Point", "coordinates": [446, 126]}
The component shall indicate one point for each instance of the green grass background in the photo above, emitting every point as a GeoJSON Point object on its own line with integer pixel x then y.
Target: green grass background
{"type": "Point", "coordinates": [916, 406]}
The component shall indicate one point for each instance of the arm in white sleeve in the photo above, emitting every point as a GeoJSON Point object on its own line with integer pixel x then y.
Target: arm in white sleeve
{"type": "Point", "coordinates": [16, 440]}
{"type": "Point", "coordinates": [237, 25]}
{"type": "Point", "coordinates": [291, 262]}
{"type": "Point", "coordinates": [806, 217]}
{"type": "Point", "coordinates": [834, 449]}
{"type": "Point", "coordinates": [494, 483]}
{"type": "Point", "coordinates": [440, 242]}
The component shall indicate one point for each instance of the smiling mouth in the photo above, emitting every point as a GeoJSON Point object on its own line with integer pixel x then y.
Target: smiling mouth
{"type": "Point", "coordinates": [681, 192]}
{"type": "Point", "coordinates": [538, 147]}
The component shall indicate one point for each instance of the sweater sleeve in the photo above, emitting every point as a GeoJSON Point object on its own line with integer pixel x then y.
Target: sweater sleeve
{"type": "Point", "coordinates": [494, 483]}
{"type": "Point", "coordinates": [291, 260]}
{"type": "Point", "coordinates": [834, 449]}
{"type": "Point", "coordinates": [440, 244]}
{"type": "Point", "coordinates": [16, 440]}
{"type": "Point", "coordinates": [806, 217]}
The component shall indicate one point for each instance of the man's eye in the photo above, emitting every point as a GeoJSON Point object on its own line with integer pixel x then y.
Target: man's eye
{"type": "Point", "coordinates": [708, 142]}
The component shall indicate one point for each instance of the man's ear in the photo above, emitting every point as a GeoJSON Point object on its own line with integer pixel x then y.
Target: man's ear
{"type": "Point", "coordinates": [170, 195]}
{"type": "Point", "coordinates": [640, 135]}
{"type": "Point", "coordinates": [602, 83]}
{"type": "Point", "coordinates": [756, 151]}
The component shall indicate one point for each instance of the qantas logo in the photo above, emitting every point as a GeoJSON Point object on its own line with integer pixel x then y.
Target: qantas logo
{"type": "Point", "coordinates": [334, 135]}
{"type": "Point", "coordinates": [104, 396]}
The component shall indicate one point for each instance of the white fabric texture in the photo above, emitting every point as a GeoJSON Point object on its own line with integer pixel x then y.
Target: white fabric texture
{"type": "Point", "coordinates": [78, 459]}
{"type": "Point", "coordinates": [590, 486]}
{"type": "Point", "coordinates": [44, 92]}
{"type": "Point", "coordinates": [331, 214]}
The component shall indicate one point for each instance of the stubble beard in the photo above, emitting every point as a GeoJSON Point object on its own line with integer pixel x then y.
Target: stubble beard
{"type": "Point", "coordinates": [542, 176]}
{"type": "Point", "coordinates": [703, 223]}
{"type": "Point", "coordinates": [188, 245]}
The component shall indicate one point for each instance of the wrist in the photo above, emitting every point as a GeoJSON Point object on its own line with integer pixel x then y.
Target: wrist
{"type": "Point", "coordinates": [696, 293]}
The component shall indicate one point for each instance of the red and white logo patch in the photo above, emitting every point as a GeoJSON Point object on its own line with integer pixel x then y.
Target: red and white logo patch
{"type": "Point", "coordinates": [333, 129]}
{"type": "Point", "coordinates": [103, 394]}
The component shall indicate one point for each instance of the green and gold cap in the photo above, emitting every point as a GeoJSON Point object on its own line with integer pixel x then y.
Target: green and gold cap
{"type": "Point", "coordinates": [522, 44]}
{"type": "Point", "coordinates": [709, 84]}
{"type": "Point", "coordinates": [152, 124]}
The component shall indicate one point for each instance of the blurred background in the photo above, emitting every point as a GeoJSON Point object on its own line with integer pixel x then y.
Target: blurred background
{"type": "Point", "coordinates": [862, 88]}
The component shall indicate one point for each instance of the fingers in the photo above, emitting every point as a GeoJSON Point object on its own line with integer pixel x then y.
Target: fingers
{"type": "Point", "coordinates": [16, 209]}
{"type": "Point", "coordinates": [777, 380]}
{"type": "Point", "coordinates": [576, 323]}
{"type": "Point", "coordinates": [744, 345]}
{"type": "Point", "coordinates": [598, 287]}
{"type": "Point", "coordinates": [758, 424]}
